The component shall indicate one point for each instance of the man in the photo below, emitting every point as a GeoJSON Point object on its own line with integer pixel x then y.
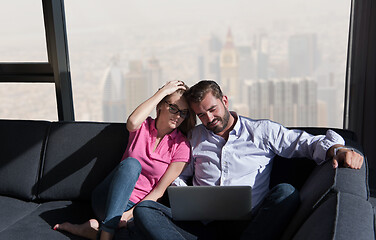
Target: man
{"type": "Point", "coordinates": [228, 149]}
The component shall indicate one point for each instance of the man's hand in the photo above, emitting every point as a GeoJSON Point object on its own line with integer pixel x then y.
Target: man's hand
{"type": "Point", "coordinates": [345, 156]}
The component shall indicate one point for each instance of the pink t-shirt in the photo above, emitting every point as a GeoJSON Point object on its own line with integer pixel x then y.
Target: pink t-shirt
{"type": "Point", "coordinates": [173, 147]}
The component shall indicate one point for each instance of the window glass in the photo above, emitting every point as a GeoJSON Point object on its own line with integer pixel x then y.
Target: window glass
{"type": "Point", "coordinates": [282, 60]}
{"type": "Point", "coordinates": [23, 38]}
{"type": "Point", "coordinates": [33, 101]}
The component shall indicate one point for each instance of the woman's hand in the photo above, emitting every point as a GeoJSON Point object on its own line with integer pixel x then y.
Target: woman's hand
{"type": "Point", "coordinates": [172, 86]}
{"type": "Point", "coordinates": [139, 115]}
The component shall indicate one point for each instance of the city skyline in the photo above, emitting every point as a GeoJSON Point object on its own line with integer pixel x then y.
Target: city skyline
{"type": "Point", "coordinates": [175, 44]}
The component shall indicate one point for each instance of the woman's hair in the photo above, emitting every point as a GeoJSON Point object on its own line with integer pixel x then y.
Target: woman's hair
{"type": "Point", "coordinates": [190, 121]}
{"type": "Point", "coordinates": [198, 91]}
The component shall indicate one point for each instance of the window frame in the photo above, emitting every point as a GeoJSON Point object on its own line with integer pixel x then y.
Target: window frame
{"type": "Point", "coordinates": [56, 70]}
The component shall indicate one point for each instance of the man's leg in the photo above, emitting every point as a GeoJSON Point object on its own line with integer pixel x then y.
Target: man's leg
{"type": "Point", "coordinates": [273, 214]}
{"type": "Point", "coordinates": [155, 221]}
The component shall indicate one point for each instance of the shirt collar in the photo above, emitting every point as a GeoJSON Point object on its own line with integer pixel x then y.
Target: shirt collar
{"type": "Point", "coordinates": [237, 126]}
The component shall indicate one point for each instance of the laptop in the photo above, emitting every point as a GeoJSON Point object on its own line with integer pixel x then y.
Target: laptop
{"type": "Point", "coordinates": [206, 203]}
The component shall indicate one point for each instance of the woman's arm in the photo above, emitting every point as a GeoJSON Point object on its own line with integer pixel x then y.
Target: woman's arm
{"type": "Point", "coordinates": [139, 115]}
{"type": "Point", "coordinates": [172, 172]}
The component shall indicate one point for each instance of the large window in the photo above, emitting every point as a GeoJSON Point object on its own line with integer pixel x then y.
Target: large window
{"type": "Point", "coordinates": [23, 40]}
{"type": "Point", "coordinates": [28, 101]}
{"type": "Point", "coordinates": [22, 31]}
{"type": "Point", "coordinates": [283, 60]}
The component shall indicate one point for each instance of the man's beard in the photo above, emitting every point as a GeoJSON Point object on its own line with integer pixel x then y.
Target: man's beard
{"type": "Point", "coordinates": [219, 128]}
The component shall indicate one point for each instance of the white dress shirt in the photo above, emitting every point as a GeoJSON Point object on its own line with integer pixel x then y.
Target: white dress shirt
{"type": "Point", "coordinates": [246, 157]}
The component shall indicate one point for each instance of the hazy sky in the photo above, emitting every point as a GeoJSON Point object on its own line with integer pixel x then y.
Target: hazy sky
{"type": "Point", "coordinates": [14, 13]}
{"type": "Point", "coordinates": [24, 18]}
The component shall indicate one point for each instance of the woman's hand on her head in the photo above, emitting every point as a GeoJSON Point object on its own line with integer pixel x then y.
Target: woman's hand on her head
{"type": "Point", "coordinates": [171, 87]}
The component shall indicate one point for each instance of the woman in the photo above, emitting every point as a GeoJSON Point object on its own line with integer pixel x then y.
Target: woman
{"type": "Point", "coordinates": [156, 154]}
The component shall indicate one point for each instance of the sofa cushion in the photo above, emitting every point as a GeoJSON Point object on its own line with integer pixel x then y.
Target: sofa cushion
{"type": "Point", "coordinates": [12, 210]}
{"type": "Point", "coordinates": [325, 177]}
{"type": "Point", "coordinates": [78, 156]}
{"type": "Point", "coordinates": [21, 144]}
{"type": "Point", "coordinates": [38, 224]}
{"type": "Point", "coordinates": [341, 216]}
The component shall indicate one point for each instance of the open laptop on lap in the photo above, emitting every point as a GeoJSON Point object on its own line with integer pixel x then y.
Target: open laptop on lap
{"type": "Point", "coordinates": [210, 202]}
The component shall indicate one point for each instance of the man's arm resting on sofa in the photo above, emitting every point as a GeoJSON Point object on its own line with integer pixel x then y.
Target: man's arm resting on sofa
{"type": "Point", "coordinates": [344, 155]}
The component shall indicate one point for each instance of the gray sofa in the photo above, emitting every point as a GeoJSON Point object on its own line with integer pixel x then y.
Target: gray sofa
{"type": "Point", "coordinates": [48, 170]}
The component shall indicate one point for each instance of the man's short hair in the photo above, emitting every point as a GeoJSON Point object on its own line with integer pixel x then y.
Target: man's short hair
{"type": "Point", "coordinates": [198, 91]}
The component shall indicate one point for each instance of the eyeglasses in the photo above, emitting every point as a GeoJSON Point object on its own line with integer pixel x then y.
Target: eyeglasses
{"type": "Point", "coordinates": [172, 108]}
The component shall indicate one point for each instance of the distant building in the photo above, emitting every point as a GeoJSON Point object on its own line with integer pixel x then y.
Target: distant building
{"type": "Point", "coordinates": [114, 94]}
{"type": "Point", "coordinates": [282, 101]}
{"type": "Point", "coordinates": [329, 97]}
{"type": "Point", "coordinates": [154, 78]}
{"type": "Point", "coordinates": [230, 69]}
{"type": "Point", "coordinates": [137, 90]}
{"type": "Point", "coordinates": [263, 57]}
{"type": "Point", "coordinates": [247, 66]}
{"type": "Point", "coordinates": [257, 97]}
{"type": "Point", "coordinates": [305, 93]}
{"type": "Point", "coordinates": [291, 102]}
{"type": "Point", "coordinates": [303, 55]}
{"type": "Point", "coordinates": [208, 61]}
{"type": "Point", "coordinates": [247, 63]}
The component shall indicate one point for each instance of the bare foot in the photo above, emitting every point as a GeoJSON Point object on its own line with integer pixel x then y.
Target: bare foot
{"type": "Point", "coordinates": [88, 229]}
{"type": "Point", "coordinates": [122, 223]}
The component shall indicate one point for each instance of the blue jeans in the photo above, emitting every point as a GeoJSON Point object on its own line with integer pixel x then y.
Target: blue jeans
{"type": "Point", "coordinates": [269, 219]}
{"type": "Point", "coordinates": [110, 199]}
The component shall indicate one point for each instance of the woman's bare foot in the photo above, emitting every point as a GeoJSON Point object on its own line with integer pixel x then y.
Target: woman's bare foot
{"type": "Point", "coordinates": [122, 223]}
{"type": "Point", "coordinates": [88, 229]}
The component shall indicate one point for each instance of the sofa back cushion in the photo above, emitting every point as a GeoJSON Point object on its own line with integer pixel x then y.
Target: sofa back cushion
{"type": "Point", "coordinates": [339, 216]}
{"type": "Point", "coordinates": [78, 156]}
{"type": "Point", "coordinates": [21, 144]}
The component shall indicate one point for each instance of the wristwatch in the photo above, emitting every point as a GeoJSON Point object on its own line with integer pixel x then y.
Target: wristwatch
{"type": "Point", "coordinates": [338, 148]}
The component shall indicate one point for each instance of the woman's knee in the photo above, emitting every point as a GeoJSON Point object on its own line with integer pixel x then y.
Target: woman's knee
{"type": "Point", "coordinates": [130, 165]}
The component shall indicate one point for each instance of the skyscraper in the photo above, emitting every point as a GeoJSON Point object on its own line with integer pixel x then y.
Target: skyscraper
{"type": "Point", "coordinates": [305, 93]}
{"type": "Point", "coordinates": [208, 62]}
{"type": "Point", "coordinates": [154, 78]}
{"type": "Point", "coordinates": [137, 89]}
{"type": "Point", "coordinates": [114, 96]}
{"type": "Point", "coordinates": [303, 55]}
{"type": "Point", "coordinates": [229, 69]}
{"type": "Point", "coordinates": [282, 101]}
{"type": "Point", "coordinates": [289, 101]}
{"type": "Point", "coordinates": [258, 98]}
{"type": "Point", "coordinates": [263, 57]}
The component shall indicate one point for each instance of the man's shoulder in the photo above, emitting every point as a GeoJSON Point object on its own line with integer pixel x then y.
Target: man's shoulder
{"type": "Point", "coordinates": [197, 134]}
{"type": "Point", "coordinates": [198, 130]}
{"type": "Point", "coordinates": [256, 123]}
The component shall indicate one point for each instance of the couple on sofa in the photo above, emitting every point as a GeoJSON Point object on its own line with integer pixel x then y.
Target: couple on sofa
{"type": "Point", "coordinates": [226, 149]}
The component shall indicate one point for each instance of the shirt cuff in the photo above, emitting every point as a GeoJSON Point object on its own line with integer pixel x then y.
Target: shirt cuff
{"type": "Point", "coordinates": [331, 138]}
